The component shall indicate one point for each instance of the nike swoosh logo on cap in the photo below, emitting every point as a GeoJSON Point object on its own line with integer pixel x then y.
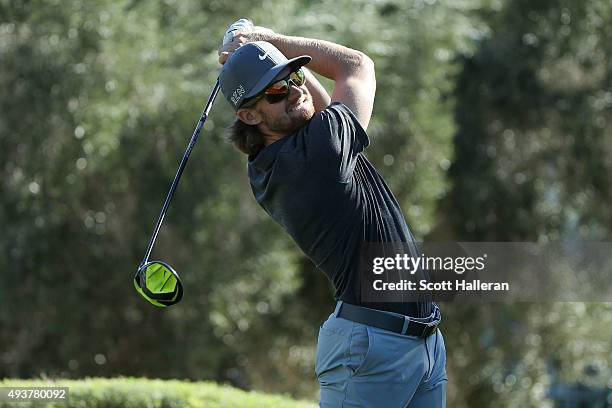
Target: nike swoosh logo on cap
{"type": "Point", "coordinates": [263, 57]}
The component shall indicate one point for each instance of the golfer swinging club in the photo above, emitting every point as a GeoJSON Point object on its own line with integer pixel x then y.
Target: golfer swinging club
{"type": "Point", "coordinates": [307, 170]}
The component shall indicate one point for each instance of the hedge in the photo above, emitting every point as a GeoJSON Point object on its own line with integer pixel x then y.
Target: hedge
{"type": "Point", "coordinates": [145, 393]}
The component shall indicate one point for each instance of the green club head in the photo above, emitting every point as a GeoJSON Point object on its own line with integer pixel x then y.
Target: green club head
{"type": "Point", "coordinates": [158, 283]}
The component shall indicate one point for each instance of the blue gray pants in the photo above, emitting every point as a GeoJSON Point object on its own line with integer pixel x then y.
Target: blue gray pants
{"type": "Point", "coordinates": [364, 366]}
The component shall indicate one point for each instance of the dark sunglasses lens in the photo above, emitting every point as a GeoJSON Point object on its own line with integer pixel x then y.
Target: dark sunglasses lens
{"type": "Point", "coordinates": [280, 89]}
{"type": "Point", "coordinates": [275, 98]}
{"type": "Point", "coordinates": [277, 91]}
{"type": "Point", "coordinates": [277, 88]}
{"type": "Point", "coordinates": [298, 77]}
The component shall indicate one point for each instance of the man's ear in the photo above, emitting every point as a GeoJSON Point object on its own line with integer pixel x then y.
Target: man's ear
{"type": "Point", "coordinates": [249, 116]}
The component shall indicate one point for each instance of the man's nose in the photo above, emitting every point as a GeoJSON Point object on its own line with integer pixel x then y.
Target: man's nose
{"type": "Point", "coordinates": [295, 92]}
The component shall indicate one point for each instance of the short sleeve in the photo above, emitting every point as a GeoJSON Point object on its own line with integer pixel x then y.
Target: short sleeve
{"type": "Point", "coordinates": [334, 138]}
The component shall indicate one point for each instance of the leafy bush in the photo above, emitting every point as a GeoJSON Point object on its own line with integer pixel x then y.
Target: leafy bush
{"type": "Point", "coordinates": [139, 392]}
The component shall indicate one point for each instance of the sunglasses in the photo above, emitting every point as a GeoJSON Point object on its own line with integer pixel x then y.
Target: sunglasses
{"type": "Point", "coordinates": [279, 90]}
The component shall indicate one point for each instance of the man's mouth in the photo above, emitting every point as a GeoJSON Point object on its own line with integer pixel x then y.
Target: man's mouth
{"type": "Point", "coordinates": [297, 104]}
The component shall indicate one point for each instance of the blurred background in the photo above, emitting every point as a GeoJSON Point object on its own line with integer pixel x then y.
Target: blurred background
{"type": "Point", "coordinates": [492, 122]}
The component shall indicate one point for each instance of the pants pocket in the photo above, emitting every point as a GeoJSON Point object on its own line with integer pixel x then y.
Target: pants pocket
{"type": "Point", "coordinates": [343, 348]}
{"type": "Point", "coordinates": [331, 351]}
{"type": "Point", "coordinates": [359, 349]}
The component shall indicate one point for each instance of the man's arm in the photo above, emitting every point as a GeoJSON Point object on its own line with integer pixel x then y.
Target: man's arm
{"type": "Point", "coordinates": [320, 97]}
{"type": "Point", "coordinates": [352, 70]}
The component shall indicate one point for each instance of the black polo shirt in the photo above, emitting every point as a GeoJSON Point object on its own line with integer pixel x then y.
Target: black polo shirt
{"type": "Point", "coordinates": [320, 188]}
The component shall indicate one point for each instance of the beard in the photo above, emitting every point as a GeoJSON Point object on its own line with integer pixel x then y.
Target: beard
{"type": "Point", "coordinates": [296, 116]}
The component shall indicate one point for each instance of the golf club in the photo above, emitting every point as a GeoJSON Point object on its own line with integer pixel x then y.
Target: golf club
{"type": "Point", "coordinates": [157, 281]}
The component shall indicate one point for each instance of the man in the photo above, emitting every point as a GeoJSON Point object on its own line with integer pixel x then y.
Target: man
{"type": "Point", "coordinates": [307, 171]}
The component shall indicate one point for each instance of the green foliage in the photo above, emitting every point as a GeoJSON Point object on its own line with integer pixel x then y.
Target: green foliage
{"type": "Point", "coordinates": [491, 122]}
{"type": "Point", "coordinates": [133, 392]}
{"type": "Point", "coordinates": [103, 97]}
{"type": "Point", "coordinates": [533, 140]}
{"type": "Point", "coordinates": [531, 164]}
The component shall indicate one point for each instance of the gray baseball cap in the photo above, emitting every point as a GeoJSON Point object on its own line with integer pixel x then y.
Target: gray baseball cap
{"type": "Point", "coordinates": [251, 68]}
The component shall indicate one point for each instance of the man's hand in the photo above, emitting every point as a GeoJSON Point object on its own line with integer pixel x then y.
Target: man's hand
{"type": "Point", "coordinates": [226, 50]}
{"type": "Point", "coordinates": [241, 26]}
{"type": "Point", "coordinates": [239, 33]}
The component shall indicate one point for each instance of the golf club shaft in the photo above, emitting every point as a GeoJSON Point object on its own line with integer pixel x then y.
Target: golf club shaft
{"type": "Point", "coordinates": [186, 155]}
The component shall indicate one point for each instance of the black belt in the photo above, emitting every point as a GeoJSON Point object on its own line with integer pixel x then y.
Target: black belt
{"type": "Point", "coordinates": [384, 320]}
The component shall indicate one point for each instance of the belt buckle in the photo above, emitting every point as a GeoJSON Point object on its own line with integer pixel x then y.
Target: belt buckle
{"type": "Point", "coordinates": [429, 330]}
